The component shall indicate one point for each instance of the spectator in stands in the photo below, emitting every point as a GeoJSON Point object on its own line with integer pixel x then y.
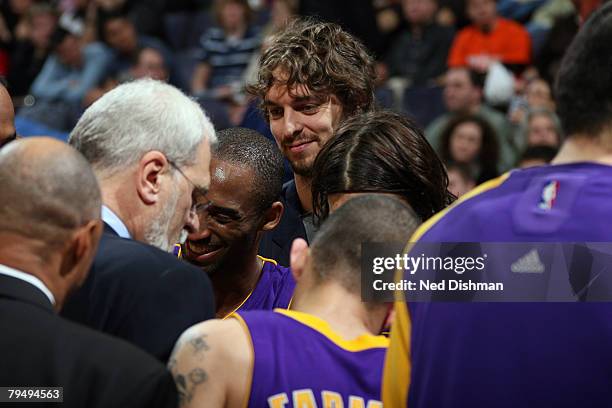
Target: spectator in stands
{"type": "Point", "coordinates": [471, 141]}
{"type": "Point", "coordinates": [281, 14]}
{"type": "Point", "coordinates": [226, 51]}
{"type": "Point", "coordinates": [463, 95]}
{"type": "Point", "coordinates": [537, 95]}
{"type": "Point", "coordinates": [490, 39]}
{"type": "Point", "coordinates": [460, 179]}
{"type": "Point", "coordinates": [7, 117]}
{"type": "Point", "coordinates": [538, 155]}
{"type": "Point", "coordinates": [31, 48]}
{"type": "Point", "coordinates": [12, 21]}
{"type": "Point", "coordinates": [121, 36]}
{"type": "Point", "coordinates": [379, 152]}
{"type": "Point", "coordinates": [60, 88]}
{"type": "Point", "coordinates": [49, 229]}
{"type": "Point", "coordinates": [149, 63]}
{"type": "Point", "coordinates": [543, 128]}
{"type": "Point", "coordinates": [419, 52]}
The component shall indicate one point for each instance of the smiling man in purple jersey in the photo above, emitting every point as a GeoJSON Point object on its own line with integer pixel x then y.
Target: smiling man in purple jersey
{"type": "Point", "coordinates": [326, 351]}
{"type": "Point", "coordinates": [525, 354]}
{"type": "Point", "coordinates": [241, 204]}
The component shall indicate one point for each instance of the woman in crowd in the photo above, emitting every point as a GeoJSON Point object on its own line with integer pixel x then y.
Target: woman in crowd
{"type": "Point", "coordinates": [470, 140]}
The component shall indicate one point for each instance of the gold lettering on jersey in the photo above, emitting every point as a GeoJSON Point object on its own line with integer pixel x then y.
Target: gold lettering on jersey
{"type": "Point", "coordinates": [304, 399]}
{"type": "Point", "coordinates": [356, 402]}
{"type": "Point", "coordinates": [332, 400]}
{"type": "Point", "coordinates": [278, 400]}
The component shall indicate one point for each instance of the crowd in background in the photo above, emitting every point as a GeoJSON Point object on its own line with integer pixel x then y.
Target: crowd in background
{"type": "Point", "coordinates": [476, 74]}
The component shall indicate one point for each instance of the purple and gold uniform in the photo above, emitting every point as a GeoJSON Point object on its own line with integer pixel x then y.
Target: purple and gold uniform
{"type": "Point", "coordinates": [300, 362]}
{"type": "Point", "coordinates": [510, 354]}
{"type": "Point", "coordinates": [274, 288]}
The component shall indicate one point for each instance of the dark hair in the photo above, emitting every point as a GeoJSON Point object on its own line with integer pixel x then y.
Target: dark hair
{"type": "Point", "coordinates": [105, 16]}
{"type": "Point", "coordinates": [584, 81]}
{"type": "Point", "coordinates": [323, 57]}
{"type": "Point", "coordinates": [380, 152]}
{"type": "Point", "coordinates": [488, 156]}
{"type": "Point", "coordinates": [544, 153]}
{"type": "Point", "coordinates": [336, 249]}
{"type": "Point", "coordinates": [248, 148]}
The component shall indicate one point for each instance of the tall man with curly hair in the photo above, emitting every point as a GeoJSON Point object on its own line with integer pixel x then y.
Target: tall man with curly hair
{"type": "Point", "coordinates": [311, 77]}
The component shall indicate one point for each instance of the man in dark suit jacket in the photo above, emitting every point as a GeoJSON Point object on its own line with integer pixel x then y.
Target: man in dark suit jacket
{"type": "Point", "coordinates": [303, 111]}
{"type": "Point", "coordinates": [49, 230]}
{"type": "Point", "coordinates": [149, 145]}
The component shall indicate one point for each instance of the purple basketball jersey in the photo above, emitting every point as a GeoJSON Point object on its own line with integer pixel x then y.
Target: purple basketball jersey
{"type": "Point", "coordinates": [301, 362]}
{"type": "Point", "coordinates": [518, 354]}
{"type": "Point", "coordinates": [274, 289]}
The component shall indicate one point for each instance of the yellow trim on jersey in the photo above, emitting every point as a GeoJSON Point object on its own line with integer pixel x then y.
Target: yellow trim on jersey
{"type": "Point", "coordinates": [267, 260]}
{"type": "Point", "coordinates": [264, 260]}
{"type": "Point", "coordinates": [247, 396]}
{"type": "Point", "coordinates": [396, 375]}
{"type": "Point", "coordinates": [363, 342]}
{"type": "Point", "coordinates": [275, 263]}
{"type": "Point", "coordinates": [230, 314]}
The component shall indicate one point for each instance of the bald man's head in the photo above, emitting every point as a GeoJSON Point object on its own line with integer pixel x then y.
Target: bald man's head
{"type": "Point", "coordinates": [48, 190]}
{"type": "Point", "coordinates": [7, 117]}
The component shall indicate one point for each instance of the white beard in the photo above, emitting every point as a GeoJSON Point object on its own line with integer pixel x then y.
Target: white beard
{"type": "Point", "coordinates": [157, 234]}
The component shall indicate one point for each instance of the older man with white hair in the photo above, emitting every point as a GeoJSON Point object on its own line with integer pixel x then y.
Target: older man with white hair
{"type": "Point", "coordinates": [149, 146]}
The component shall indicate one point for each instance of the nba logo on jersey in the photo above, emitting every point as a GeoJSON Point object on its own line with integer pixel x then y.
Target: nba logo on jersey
{"type": "Point", "coordinates": [549, 195]}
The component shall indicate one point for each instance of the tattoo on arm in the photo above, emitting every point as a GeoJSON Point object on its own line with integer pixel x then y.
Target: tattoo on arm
{"type": "Point", "coordinates": [186, 384]}
{"type": "Point", "coordinates": [199, 344]}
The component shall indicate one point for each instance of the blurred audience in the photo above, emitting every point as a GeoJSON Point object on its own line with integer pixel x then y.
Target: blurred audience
{"type": "Point", "coordinates": [12, 20]}
{"type": "Point", "coordinates": [490, 39]}
{"type": "Point", "coordinates": [463, 95]}
{"type": "Point", "coordinates": [418, 54]}
{"type": "Point", "coordinates": [31, 47]}
{"type": "Point", "coordinates": [120, 34]}
{"type": "Point", "coordinates": [469, 140]}
{"type": "Point", "coordinates": [149, 63]}
{"type": "Point", "coordinates": [70, 71]}
{"type": "Point", "coordinates": [543, 128]}
{"type": "Point", "coordinates": [537, 95]}
{"type": "Point", "coordinates": [226, 51]}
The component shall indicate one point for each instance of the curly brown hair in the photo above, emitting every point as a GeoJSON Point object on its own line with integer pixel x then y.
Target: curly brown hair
{"type": "Point", "coordinates": [324, 58]}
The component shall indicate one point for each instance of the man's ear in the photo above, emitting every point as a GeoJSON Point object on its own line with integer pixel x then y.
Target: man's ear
{"type": "Point", "coordinates": [273, 216]}
{"type": "Point", "coordinates": [80, 251]}
{"type": "Point", "coordinates": [299, 256]}
{"type": "Point", "coordinates": [148, 184]}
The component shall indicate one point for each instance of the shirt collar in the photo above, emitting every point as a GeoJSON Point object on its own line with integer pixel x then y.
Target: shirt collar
{"type": "Point", "coordinates": [113, 221]}
{"type": "Point", "coordinates": [8, 271]}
